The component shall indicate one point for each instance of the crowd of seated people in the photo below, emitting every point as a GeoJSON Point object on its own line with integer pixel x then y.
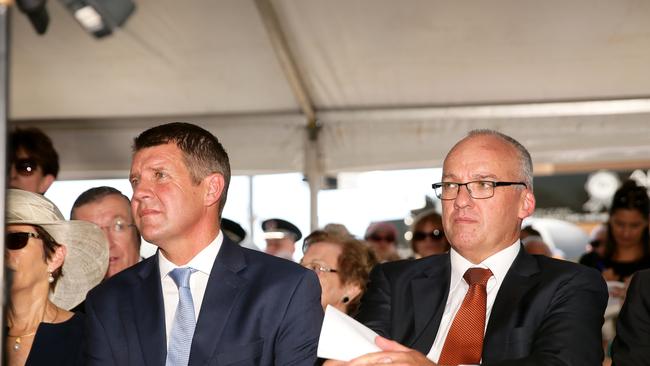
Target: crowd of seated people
{"type": "Point", "coordinates": [103, 239]}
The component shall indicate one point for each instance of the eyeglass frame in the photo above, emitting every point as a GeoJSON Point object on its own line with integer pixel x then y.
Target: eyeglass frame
{"type": "Point", "coordinates": [319, 268]}
{"type": "Point", "coordinates": [439, 186]}
{"type": "Point", "coordinates": [27, 234]}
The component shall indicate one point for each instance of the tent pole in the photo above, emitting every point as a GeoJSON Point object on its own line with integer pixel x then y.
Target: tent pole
{"type": "Point", "coordinates": [313, 167]}
{"type": "Point", "coordinates": [4, 106]}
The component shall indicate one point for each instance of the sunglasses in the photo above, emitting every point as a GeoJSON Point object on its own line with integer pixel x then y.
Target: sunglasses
{"type": "Point", "coordinates": [15, 241]}
{"type": "Point", "coordinates": [434, 235]}
{"type": "Point", "coordinates": [375, 237]}
{"type": "Point", "coordinates": [25, 167]}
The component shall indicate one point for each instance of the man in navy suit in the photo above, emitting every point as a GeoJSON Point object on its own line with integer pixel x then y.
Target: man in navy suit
{"type": "Point", "coordinates": [538, 310]}
{"type": "Point", "coordinates": [249, 308]}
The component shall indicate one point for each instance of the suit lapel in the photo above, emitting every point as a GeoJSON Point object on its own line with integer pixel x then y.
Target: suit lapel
{"type": "Point", "coordinates": [149, 313]}
{"type": "Point", "coordinates": [518, 281]}
{"type": "Point", "coordinates": [429, 298]}
{"type": "Point", "coordinates": [221, 293]}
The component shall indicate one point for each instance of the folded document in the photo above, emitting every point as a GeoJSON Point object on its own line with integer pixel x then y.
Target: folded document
{"type": "Point", "coordinates": [343, 338]}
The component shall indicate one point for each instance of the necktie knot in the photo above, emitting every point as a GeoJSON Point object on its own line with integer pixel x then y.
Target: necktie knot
{"type": "Point", "coordinates": [477, 276]}
{"type": "Point", "coordinates": [181, 276]}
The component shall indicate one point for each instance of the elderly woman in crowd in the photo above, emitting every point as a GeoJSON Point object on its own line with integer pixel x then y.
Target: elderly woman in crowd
{"type": "Point", "coordinates": [51, 263]}
{"type": "Point", "coordinates": [342, 264]}
{"type": "Point", "coordinates": [427, 236]}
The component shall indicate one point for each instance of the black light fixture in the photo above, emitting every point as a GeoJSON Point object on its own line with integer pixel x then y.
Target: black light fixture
{"type": "Point", "coordinates": [36, 12]}
{"type": "Point", "coordinates": [100, 17]}
{"type": "Point", "coordinates": [97, 17]}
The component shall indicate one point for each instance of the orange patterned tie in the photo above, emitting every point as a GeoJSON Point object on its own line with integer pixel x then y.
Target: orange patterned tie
{"type": "Point", "coordinates": [464, 343]}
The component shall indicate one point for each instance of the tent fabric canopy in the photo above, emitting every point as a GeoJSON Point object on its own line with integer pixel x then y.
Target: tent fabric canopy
{"type": "Point", "coordinates": [393, 83]}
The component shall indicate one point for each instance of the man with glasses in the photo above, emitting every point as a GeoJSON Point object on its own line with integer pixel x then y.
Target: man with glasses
{"type": "Point", "coordinates": [109, 209]}
{"type": "Point", "coordinates": [33, 161]}
{"type": "Point", "coordinates": [486, 301]}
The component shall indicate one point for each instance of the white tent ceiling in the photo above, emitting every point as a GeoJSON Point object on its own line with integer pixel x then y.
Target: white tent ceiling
{"type": "Point", "coordinates": [392, 83]}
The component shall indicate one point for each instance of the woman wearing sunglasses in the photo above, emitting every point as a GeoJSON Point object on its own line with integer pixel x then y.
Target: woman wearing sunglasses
{"type": "Point", "coordinates": [33, 161]}
{"type": "Point", "coordinates": [427, 236]}
{"type": "Point", "coordinates": [52, 263]}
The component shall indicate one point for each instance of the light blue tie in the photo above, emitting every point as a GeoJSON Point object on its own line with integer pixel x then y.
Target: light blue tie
{"type": "Point", "coordinates": [180, 338]}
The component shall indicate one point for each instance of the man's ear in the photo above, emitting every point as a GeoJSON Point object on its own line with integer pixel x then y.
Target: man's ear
{"type": "Point", "coordinates": [527, 206]}
{"type": "Point", "coordinates": [45, 183]}
{"type": "Point", "coordinates": [215, 184]}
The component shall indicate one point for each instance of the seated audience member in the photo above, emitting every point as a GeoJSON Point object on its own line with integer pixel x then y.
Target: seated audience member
{"type": "Point", "coordinates": [281, 237]}
{"type": "Point", "coordinates": [428, 237]}
{"type": "Point", "coordinates": [631, 346]}
{"type": "Point", "coordinates": [534, 244]}
{"type": "Point", "coordinates": [52, 263]}
{"type": "Point", "coordinates": [33, 162]}
{"type": "Point", "coordinates": [202, 299]}
{"type": "Point", "coordinates": [596, 248]}
{"type": "Point", "coordinates": [487, 301]}
{"type": "Point", "coordinates": [627, 248]}
{"type": "Point", "coordinates": [338, 229]}
{"type": "Point", "coordinates": [342, 264]}
{"type": "Point", "coordinates": [109, 209]}
{"type": "Point", "coordinates": [382, 237]}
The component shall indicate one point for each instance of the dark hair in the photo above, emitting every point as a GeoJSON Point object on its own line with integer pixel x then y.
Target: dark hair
{"type": "Point", "coordinates": [530, 231]}
{"type": "Point", "coordinates": [49, 247]}
{"type": "Point", "coordinates": [37, 145]}
{"type": "Point", "coordinates": [93, 195]}
{"type": "Point", "coordinates": [203, 153]}
{"type": "Point", "coordinates": [629, 196]}
{"type": "Point", "coordinates": [97, 194]}
{"type": "Point", "coordinates": [354, 263]}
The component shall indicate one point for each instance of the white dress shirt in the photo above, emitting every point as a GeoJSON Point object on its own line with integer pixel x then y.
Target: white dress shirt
{"type": "Point", "coordinates": [202, 262]}
{"type": "Point", "coordinates": [499, 263]}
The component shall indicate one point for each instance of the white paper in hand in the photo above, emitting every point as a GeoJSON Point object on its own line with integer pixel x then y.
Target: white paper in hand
{"type": "Point", "coordinates": [342, 338]}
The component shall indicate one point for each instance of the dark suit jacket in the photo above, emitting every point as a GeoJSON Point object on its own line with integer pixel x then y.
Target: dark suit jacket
{"type": "Point", "coordinates": [257, 310]}
{"type": "Point", "coordinates": [547, 311]}
{"type": "Point", "coordinates": [632, 343]}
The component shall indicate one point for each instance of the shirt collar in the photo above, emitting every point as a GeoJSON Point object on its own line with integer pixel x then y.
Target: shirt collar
{"type": "Point", "coordinates": [499, 263]}
{"type": "Point", "coordinates": [202, 262]}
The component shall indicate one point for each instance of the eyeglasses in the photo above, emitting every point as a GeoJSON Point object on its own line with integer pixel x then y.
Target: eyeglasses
{"type": "Point", "coordinates": [478, 189]}
{"type": "Point", "coordinates": [317, 267]}
{"type": "Point", "coordinates": [376, 237]}
{"type": "Point", "coordinates": [434, 235]}
{"type": "Point", "coordinates": [25, 167]}
{"type": "Point", "coordinates": [118, 226]}
{"type": "Point", "coordinates": [18, 240]}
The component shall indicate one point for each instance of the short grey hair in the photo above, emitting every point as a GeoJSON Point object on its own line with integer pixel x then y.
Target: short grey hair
{"type": "Point", "coordinates": [525, 161]}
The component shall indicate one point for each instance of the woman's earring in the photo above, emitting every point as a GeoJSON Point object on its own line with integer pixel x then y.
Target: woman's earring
{"type": "Point", "coordinates": [50, 277]}
{"type": "Point", "coordinates": [345, 299]}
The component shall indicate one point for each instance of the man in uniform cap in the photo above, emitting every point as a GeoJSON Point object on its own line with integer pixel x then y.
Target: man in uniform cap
{"type": "Point", "coordinates": [233, 230]}
{"type": "Point", "coordinates": [281, 236]}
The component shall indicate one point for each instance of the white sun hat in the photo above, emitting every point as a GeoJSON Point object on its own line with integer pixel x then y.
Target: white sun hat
{"type": "Point", "coordinates": [86, 260]}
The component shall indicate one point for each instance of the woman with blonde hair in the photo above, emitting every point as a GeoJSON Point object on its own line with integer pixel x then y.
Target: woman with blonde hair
{"type": "Point", "coordinates": [52, 263]}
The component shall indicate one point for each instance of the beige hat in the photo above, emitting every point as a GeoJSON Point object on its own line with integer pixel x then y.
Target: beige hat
{"type": "Point", "coordinates": [86, 260]}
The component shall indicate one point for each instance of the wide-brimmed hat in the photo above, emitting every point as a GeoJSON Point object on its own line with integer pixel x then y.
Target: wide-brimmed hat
{"type": "Point", "coordinates": [86, 260]}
